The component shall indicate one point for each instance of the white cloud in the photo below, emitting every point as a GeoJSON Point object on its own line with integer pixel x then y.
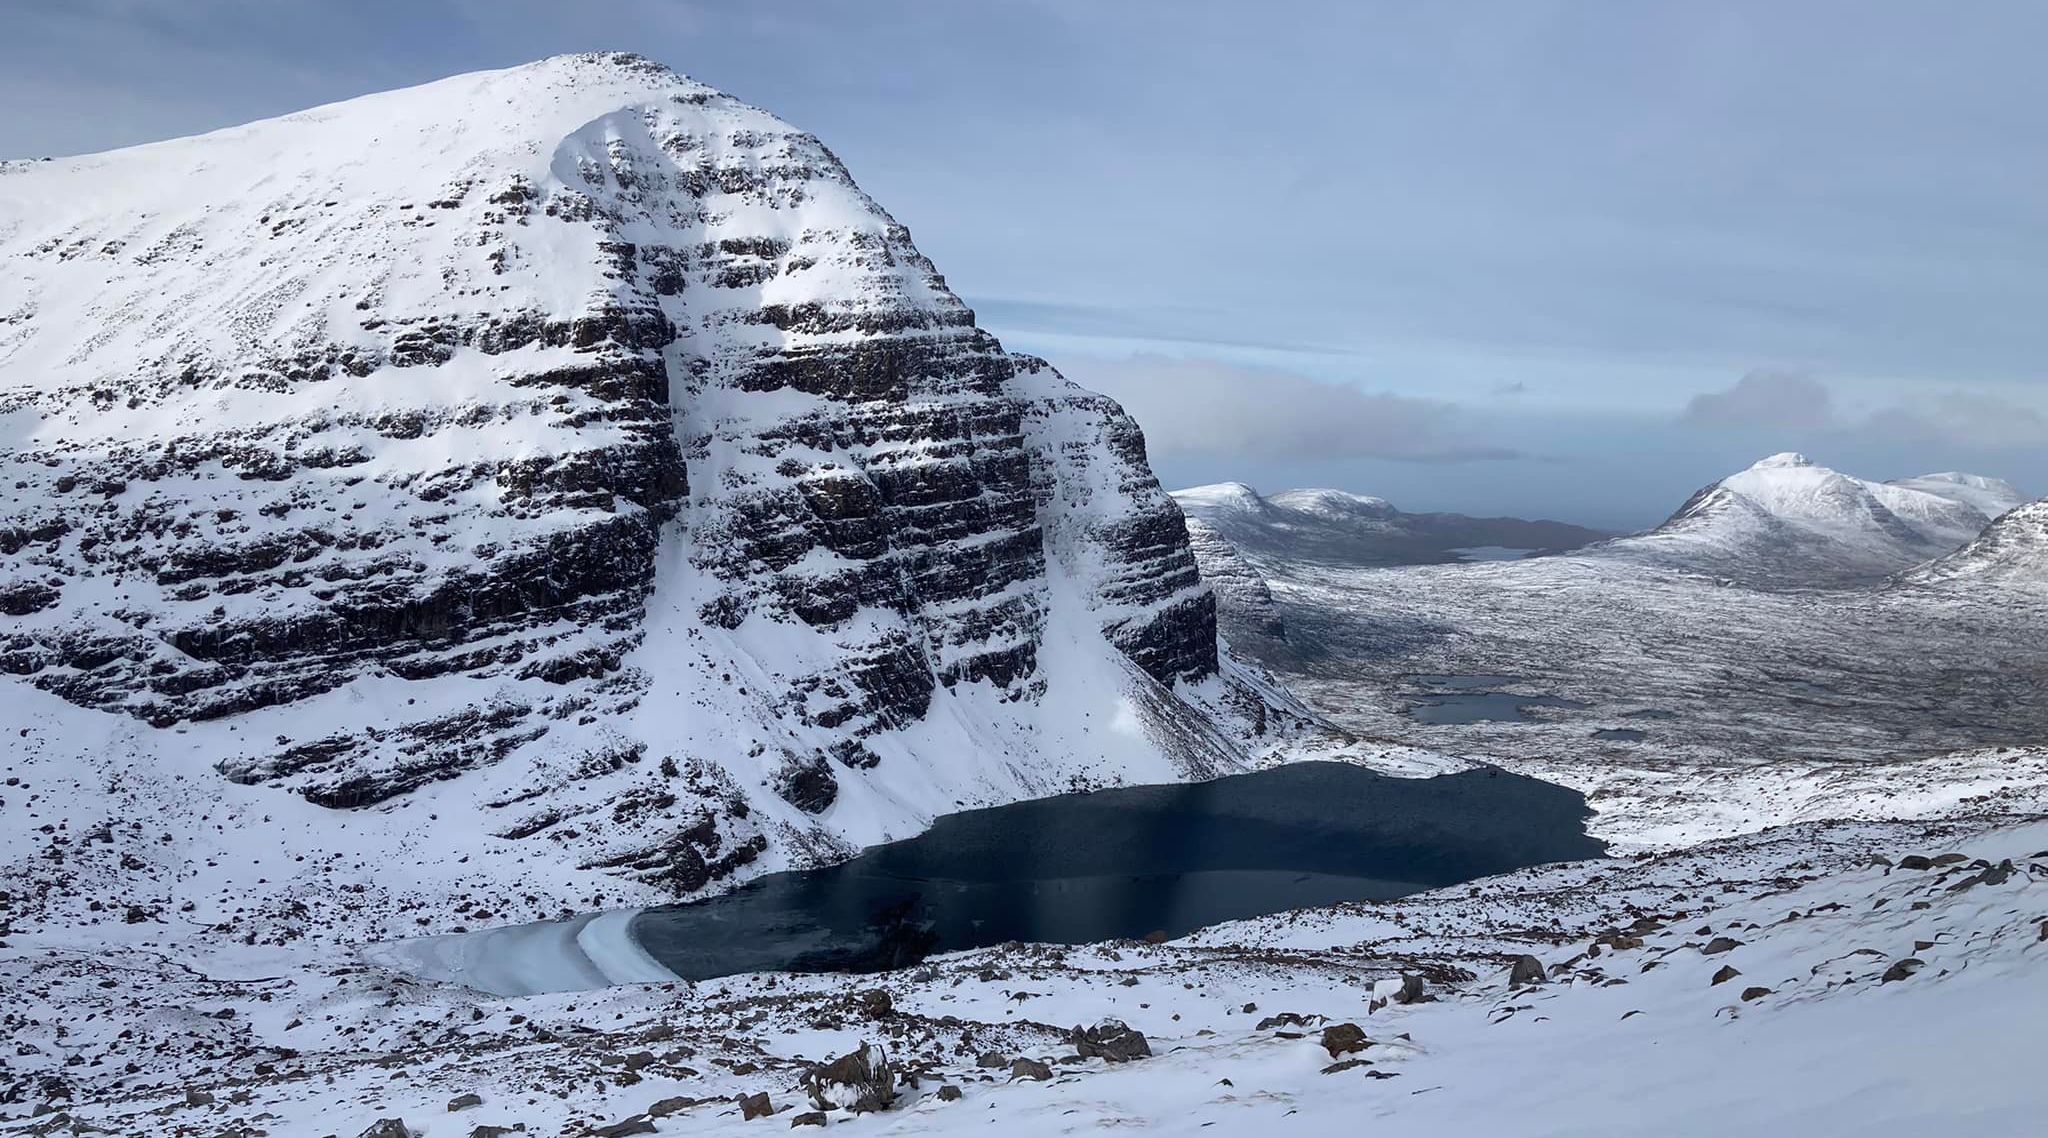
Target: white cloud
{"type": "Point", "coordinates": [1199, 408]}
{"type": "Point", "coordinates": [1765, 400]}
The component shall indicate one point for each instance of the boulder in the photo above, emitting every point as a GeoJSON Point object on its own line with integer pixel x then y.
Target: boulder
{"type": "Point", "coordinates": [1526, 970]}
{"type": "Point", "coordinates": [876, 1004]}
{"type": "Point", "coordinates": [1030, 1069]}
{"type": "Point", "coordinates": [626, 1127]}
{"type": "Point", "coordinates": [1915, 861]}
{"type": "Point", "coordinates": [669, 1106]}
{"type": "Point", "coordinates": [992, 1059]}
{"type": "Point", "coordinates": [1727, 973]}
{"type": "Point", "coordinates": [862, 1080]}
{"type": "Point", "coordinates": [1412, 989]}
{"type": "Point", "coordinates": [1901, 969]}
{"type": "Point", "coordinates": [1111, 1040]}
{"type": "Point", "coordinates": [387, 1128]}
{"type": "Point", "coordinates": [808, 1118]}
{"type": "Point", "coordinates": [198, 1097]}
{"type": "Point", "coordinates": [756, 1105]}
{"type": "Point", "coordinates": [1344, 1038]}
{"type": "Point", "coordinates": [464, 1102]}
{"type": "Point", "coordinates": [1719, 945]}
{"type": "Point", "coordinates": [1755, 993]}
{"type": "Point", "coordinates": [949, 1093]}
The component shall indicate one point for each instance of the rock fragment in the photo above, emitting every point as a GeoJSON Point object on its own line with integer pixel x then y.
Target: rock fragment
{"type": "Point", "coordinates": [1526, 970]}
{"type": "Point", "coordinates": [1344, 1038]}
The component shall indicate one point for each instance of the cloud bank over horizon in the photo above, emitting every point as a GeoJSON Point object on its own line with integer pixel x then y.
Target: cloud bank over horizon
{"type": "Point", "coordinates": [1506, 256]}
{"type": "Point", "coordinates": [1203, 409]}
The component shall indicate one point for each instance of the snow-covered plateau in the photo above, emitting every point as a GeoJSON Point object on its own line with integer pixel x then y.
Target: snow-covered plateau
{"type": "Point", "coordinates": [559, 490]}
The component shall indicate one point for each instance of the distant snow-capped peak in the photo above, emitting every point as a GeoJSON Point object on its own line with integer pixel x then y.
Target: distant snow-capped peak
{"type": "Point", "coordinates": [1788, 519]}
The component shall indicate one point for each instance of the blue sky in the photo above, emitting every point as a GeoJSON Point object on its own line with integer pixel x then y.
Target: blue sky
{"type": "Point", "coordinates": [1572, 259]}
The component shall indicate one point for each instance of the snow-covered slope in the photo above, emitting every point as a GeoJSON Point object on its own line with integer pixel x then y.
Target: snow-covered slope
{"type": "Point", "coordinates": [575, 457]}
{"type": "Point", "coordinates": [2012, 552]}
{"type": "Point", "coordinates": [1788, 522]}
{"type": "Point", "coordinates": [1862, 978]}
{"type": "Point", "coordinates": [1988, 496]}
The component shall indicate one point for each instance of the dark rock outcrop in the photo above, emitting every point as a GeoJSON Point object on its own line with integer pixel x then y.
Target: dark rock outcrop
{"type": "Point", "coordinates": [1111, 1040]}
{"type": "Point", "coordinates": [862, 1081]}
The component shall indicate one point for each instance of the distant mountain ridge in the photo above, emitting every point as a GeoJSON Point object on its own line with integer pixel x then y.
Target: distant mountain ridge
{"type": "Point", "coordinates": [1788, 521]}
{"type": "Point", "coordinates": [1340, 527]}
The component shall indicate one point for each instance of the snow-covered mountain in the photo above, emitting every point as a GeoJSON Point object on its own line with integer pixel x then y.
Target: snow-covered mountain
{"type": "Point", "coordinates": [1357, 529]}
{"type": "Point", "coordinates": [574, 452]}
{"type": "Point", "coordinates": [2012, 552]}
{"type": "Point", "coordinates": [1786, 521]}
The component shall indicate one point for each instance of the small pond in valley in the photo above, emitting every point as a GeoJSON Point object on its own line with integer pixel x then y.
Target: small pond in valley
{"type": "Point", "coordinates": [1077, 868]}
{"type": "Point", "coordinates": [1466, 699]}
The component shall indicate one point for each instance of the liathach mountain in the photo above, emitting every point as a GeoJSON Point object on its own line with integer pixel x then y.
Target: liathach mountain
{"type": "Point", "coordinates": [576, 451]}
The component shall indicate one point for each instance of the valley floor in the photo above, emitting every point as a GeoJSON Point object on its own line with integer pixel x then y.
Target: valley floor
{"type": "Point", "coordinates": [1755, 708]}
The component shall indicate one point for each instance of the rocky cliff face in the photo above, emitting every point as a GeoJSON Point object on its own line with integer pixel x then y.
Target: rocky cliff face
{"type": "Point", "coordinates": [583, 437]}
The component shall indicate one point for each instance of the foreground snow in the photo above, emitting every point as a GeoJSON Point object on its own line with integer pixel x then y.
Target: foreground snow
{"type": "Point", "coordinates": [1808, 1038]}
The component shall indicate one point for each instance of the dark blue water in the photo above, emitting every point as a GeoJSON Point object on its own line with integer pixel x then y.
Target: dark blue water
{"type": "Point", "coordinates": [1126, 863]}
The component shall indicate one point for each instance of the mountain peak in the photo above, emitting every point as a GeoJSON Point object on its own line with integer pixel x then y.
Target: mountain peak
{"type": "Point", "coordinates": [1782, 459]}
{"type": "Point", "coordinates": [1219, 496]}
{"type": "Point", "coordinates": [1786, 518]}
{"type": "Point", "coordinates": [397, 438]}
{"type": "Point", "coordinates": [1333, 502]}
